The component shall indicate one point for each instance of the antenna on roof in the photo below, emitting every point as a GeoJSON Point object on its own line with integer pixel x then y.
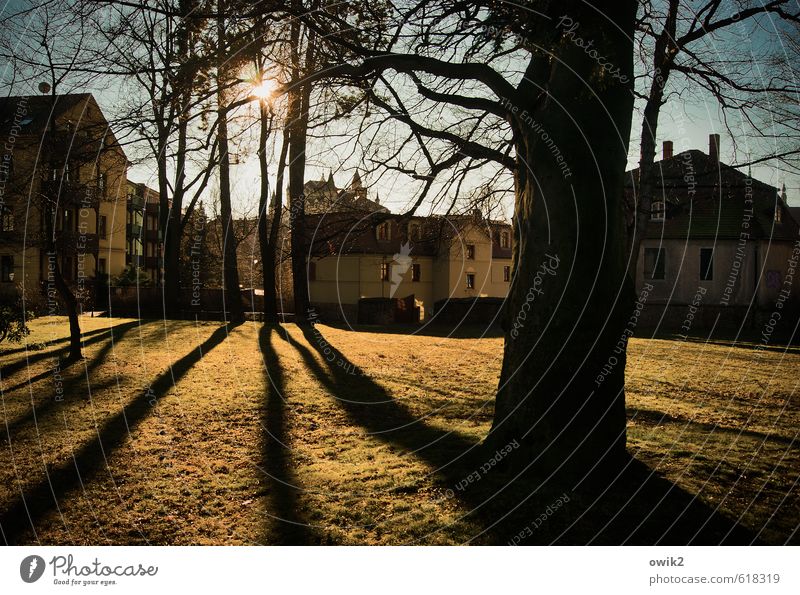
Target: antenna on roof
{"type": "Point", "coordinates": [44, 88]}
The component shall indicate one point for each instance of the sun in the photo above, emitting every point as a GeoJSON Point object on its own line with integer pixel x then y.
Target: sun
{"type": "Point", "coordinates": [264, 89]}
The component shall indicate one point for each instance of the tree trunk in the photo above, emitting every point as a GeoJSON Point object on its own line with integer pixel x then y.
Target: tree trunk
{"type": "Point", "coordinates": [298, 125]}
{"type": "Point", "coordinates": [67, 297]}
{"type": "Point", "coordinates": [268, 229]}
{"type": "Point", "coordinates": [71, 305]}
{"type": "Point", "coordinates": [663, 56]}
{"type": "Point", "coordinates": [230, 266]}
{"type": "Point", "coordinates": [561, 391]}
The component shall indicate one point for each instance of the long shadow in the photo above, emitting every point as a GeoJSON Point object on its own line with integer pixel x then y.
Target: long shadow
{"type": "Point", "coordinates": [26, 511]}
{"type": "Point", "coordinates": [289, 526]}
{"type": "Point", "coordinates": [657, 418]}
{"type": "Point", "coordinates": [50, 405]}
{"type": "Point", "coordinates": [636, 507]}
{"type": "Point", "coordinates": [438, 329]}
{"type": "Point", "coordinates": [98, 331]}
{"type": "Point", "coordinates": [371, 406]}
{"type": "Point", "coordinates": [14, 367]}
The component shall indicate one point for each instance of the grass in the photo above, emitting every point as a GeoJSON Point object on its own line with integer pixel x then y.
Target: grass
{"type": "Point", "coordinates": [198, 433]}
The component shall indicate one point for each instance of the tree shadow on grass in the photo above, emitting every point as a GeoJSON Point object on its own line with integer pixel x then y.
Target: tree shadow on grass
{"type": "Point", "coordinates": [28, 348]}
{"type": "Point", "coordinates": [288, 526]}
{"type": "Point", "coordinates": [657, 418]}
{"type": "Point", "coordinates": [635, 507]}
{"type": "Point", "coordinates": [94, 337]}
{"type": "Point", "coordinates": [23, 514]}
{"type": "Point", "coordinates": [70, 387]}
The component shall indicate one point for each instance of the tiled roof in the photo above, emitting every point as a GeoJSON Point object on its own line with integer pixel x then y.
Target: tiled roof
{"type": "Point", "coordinates": [706, 200]}
{"type": "Point", "coordinates": [33, 112]}
{"type": "Point", "coordinates": [348, 233]}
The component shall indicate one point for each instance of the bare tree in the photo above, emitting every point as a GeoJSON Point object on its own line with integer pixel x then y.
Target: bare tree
{"type": "Point", "coordinates": [529, 98]}
{"type": "Point", "coordinates": [689, 51]}
{"type": "Point", "coordinates": [47, 47]}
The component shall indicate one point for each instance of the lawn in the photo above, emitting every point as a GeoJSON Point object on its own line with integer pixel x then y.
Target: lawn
{"type": "Point", "coordinates": [195, 433]}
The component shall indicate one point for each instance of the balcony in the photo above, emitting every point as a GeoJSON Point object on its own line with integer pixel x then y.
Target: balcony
{"type": "Point", "coordinates": [133, 230]}
{"type": "Point", "coordinates": [136, 202]}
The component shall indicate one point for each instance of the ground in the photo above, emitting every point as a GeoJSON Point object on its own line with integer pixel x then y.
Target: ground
{"type": "Point", "coordinates": [198, 433]}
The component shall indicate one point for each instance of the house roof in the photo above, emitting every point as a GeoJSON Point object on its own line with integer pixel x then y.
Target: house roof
{"type": "Point", "coordinates": [31, 115]}
{"type": "Point", "coordinates": [349, 233]}
{"type": "Point", "coordinates": [706, 199]}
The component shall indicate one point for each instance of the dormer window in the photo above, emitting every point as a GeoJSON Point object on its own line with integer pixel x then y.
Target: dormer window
{"type": "Point", "coordinates": [778, 213]}
{"type": "Point", "coordinates": [470, 251]}
{"type": "Point", "coordinates": [657, 210]}
{"type": "Point", "coordinates": [413, 231]}
{"type": "Point", "coordinates": [382, 232]}
{"type": "Point", "coordinates": [505, 240]}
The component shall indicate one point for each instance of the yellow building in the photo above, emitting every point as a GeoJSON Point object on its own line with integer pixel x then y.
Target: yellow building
{"type": "Point", "coordinates": [356, 254]}
{"type": "Point", "coordinates": [59, 157]}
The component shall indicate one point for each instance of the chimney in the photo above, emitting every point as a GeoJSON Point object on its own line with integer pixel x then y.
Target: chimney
{"type": "Point", "coordinates": [667, 149]}
{"type": "Point", "coordinates": [713, 147]}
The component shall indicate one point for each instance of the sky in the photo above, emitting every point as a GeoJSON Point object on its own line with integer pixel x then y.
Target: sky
{"type": "Point", "coordinates": [686, 124]}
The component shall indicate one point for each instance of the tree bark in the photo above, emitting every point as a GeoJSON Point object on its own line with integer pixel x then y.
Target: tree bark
{"type": "Point", "coordinates": [230, 266]}
{"type": "Point", "coordinates": [299, 96]}
{"type": "Point", "coordinates": [269, 227]}
{"type": "Point", "coordinates": [570, 297]}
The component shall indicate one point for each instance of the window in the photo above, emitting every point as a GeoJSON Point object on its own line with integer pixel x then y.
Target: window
{"type": "Point", "coordinates": [68, 221]}
{"type": "Point", "coordinates": [657, 210]}
{"type": "Point", "coordinates": [707, 264]}
{"type": "Point", "coordinates": [101, 182]}
{"type": "Point", "coordinates": [413, 231]}
{"type": "Point", "coordinates": [416, 272]}
{"type": "Point", "coordinates": [655, 263]}
{"type": "Point", "coordinates": [102, 224]}
{"type": "Point", "coordinates": [150, 250]}
{"type": "Point", "coordinates": [152, 224]}
{"type": "Point", "coordinates": [384, 271]}
{"type": "Point", "coordinates": [506, 273]}
{"type": "Point", "coordinates": [312, 271]}
{"type": "Point", "coordinates": [382, 232]}
{"type": "Point", "coordinates": [505, 240]}
{"type": "Point", "coordinates": [778, 213]}
{"type": "Point", "coordinates": [470, 280]}
{"type": "Point", "coordinates": [7, 220]}
{"type": "Point", "coordinates": [470, 252]}
{"type": "Point", "coordinates": [101, 266]}
{"type": "Point", "coordinates": [6, 269]}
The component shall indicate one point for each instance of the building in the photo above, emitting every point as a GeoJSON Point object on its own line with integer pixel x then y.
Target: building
{"type": "Point", "coordinates": [358, 249]}
{"type": "Point", "coordinates": [59, 157]}
{"type": "Point", "coordinates": [144, 246]}
{"type": "Point", "coordinates": [719, 244]}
